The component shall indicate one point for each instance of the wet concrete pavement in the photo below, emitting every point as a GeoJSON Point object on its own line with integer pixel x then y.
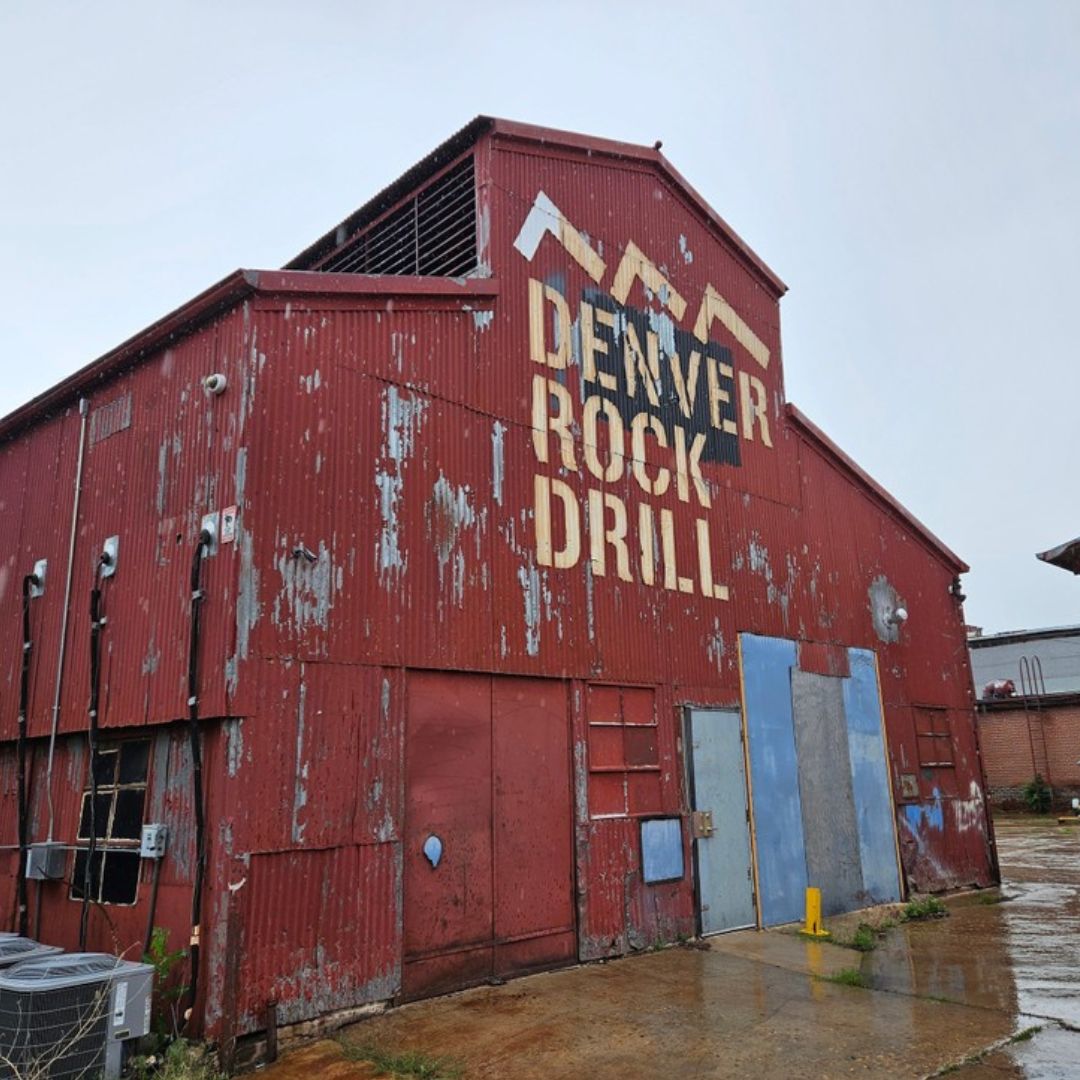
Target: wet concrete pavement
{"type": "Point", "coordinates": [946, 994]}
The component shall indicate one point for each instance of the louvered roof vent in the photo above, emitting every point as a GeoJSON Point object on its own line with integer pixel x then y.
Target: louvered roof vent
{"type": "Point", "coordinates": [433, 234]}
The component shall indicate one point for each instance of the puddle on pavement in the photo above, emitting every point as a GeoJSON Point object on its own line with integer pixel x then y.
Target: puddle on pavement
{"type": "Point", "coordinates": [1035, 928]}
{"type": "Point", "coordinates": [1019, 956]}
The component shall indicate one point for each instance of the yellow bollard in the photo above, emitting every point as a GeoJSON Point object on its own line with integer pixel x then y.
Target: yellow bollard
{"type": "Point", "coordinates": [813, 927]}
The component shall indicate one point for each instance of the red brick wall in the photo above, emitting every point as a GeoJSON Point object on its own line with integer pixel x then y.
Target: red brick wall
{"type": "Point", "coordinates": [1007, 751]}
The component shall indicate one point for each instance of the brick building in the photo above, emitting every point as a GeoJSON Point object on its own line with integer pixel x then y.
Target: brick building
{"type": "Point", "coordinates": [1033, 728]}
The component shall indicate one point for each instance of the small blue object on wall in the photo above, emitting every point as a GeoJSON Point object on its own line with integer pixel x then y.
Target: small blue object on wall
{"type": "Point", "coordinates": [662, 850]}
{"type": "Point", "coordinates": [433, 849]}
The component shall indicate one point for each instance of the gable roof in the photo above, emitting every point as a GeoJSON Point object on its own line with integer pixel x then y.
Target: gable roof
{"type": "Point", "coordinates": [215, 301]}
{"type": "Point", "coordinates": [806, 429]}
{"type": "Point", "coordinates": [549, 138]}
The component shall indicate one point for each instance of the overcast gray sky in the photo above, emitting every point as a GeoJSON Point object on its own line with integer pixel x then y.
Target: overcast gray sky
{"type": "Point", "coordinates": [911, 170]}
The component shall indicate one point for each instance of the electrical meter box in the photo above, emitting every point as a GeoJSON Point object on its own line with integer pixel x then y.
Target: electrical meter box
{"type": "Point", "coordinates": [46, 862]}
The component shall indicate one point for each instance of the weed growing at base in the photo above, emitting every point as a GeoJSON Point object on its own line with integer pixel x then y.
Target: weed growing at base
{"type": "Point", "coordinates": [406, 1064]}
{"type": "Point", "coordinates": [927, 908]}
{"type": "Point", "coordinates": [1027, 1034]}
{"type": "Point", "coordinates": [845, 977]}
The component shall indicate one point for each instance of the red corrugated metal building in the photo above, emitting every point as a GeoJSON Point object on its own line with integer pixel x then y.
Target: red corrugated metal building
{"type": "Point", "coordinates": [501, 488]}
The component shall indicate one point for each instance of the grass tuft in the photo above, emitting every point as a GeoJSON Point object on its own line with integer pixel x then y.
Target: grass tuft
{"type": "Point", "coordinates": [1027, 1034]}
{"type": "Point", "coordinates": [865, 939]}
{"type": "Point", "coordinates": [181, 1060]}
{"type": "Point", "coordinates": [405, 1064]}
{"type": "Point", "coordinates": [845, 977]}
{"type": "Point", "coordinates": [929, 907]}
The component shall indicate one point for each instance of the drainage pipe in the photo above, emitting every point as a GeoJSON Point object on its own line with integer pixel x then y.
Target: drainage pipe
{"type": "Point", "coordinates": [21, 917]}
{"type": "Point", "coordinates": [84, 409]}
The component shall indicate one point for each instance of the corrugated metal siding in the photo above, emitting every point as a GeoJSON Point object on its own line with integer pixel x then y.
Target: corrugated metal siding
{"type": "Point", "coordinates": [149, 483]}
{"type": "Point", "coordinates": [308, 784]}
{"type": "Point", "coordinates": [36, 480]}
{"type": "Point", "coordinates": [319, 931]}
{"type": "Point", "coordinates": [386, 483]}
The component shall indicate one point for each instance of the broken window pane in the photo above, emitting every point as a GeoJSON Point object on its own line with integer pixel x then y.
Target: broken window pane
{"type": "Point", "coordinates": [119, 772]}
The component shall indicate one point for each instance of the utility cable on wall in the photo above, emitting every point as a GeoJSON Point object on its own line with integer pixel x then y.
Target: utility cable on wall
{"type": "Point", "coordinates": [97, 625]}
{"type": "Point", "coordinates": [202, 548]}
{"type": "Point", "coordinates": [30, 583]}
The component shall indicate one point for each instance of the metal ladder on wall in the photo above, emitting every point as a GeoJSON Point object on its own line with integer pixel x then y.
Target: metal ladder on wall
{"type": "Point", "coordinates": [1032, 691]}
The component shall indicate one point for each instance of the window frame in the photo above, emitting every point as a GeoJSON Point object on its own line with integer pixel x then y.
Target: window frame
{"type": "Point", "coordinates": [105, 844]}
{"type": "Point", "coordinates": [624, 768]}
{"type": "Point", "coordinates": [939, 732]}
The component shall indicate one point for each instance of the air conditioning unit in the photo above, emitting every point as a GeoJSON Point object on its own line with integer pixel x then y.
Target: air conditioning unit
{"type": "Point", "coordinates": [15, 949]}
{"type": "Point", "coordinates": [69, 1016]}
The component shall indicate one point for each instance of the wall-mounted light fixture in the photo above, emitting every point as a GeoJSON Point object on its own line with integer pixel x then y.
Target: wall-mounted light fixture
{"type": "Point", "coordinates": [897, 617]}
{"type": "Point", "coordinates": [215, 384]}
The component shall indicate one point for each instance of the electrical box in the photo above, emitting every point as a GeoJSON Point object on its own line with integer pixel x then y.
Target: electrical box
{"type": "Point", "coordinates": [154, 840]}
{"type": "Point", "coordinates": [46, 862]}
{"type": "Point", "coordinates": [228, 524]}
{"type": "Point", "coordinates": [211, 526]}
{"type": "Point", "coordinates": [37, 586]}
{"type": "Point", "coordinates": [110, 553]}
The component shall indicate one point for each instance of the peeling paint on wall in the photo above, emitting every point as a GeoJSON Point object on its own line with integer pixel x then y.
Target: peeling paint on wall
{"type": "Point", "coordinates": [449, 513]}
{"type": "Point", "coordinates": [758, 562]}
{"type": "Point", "coordinates": [498, 437]}
{"type": "Point", "coordinates": [234, 745]}
{"type": "Point", "coordinates": [529, 577]}
{"type": "Point", "coordinates": [307, 587]}
{"type": "Point", "coordinates": [883, 601]}
{"type": "Point", "coordinates": [151, 660]}
{"type": "Point", "coordinates": [301, 772]}
{"type": "Point", "coordinates": [310, 383]}
{"type": "Point", "coordinates": [402, 418]}
{"type": "Point", "coordinates": [714, 646]}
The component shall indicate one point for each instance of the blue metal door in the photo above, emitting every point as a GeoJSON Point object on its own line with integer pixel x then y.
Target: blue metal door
{"type": "Point", "coordinates": [818, 762]}
{"type": "Point", "coordinates": [718, 775]}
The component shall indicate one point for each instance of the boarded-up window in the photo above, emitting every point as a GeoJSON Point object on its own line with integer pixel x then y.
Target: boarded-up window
{"type": "Point", "coordinates": [933, 734]}
{"type": "Point", "coordinates": [624, 752]}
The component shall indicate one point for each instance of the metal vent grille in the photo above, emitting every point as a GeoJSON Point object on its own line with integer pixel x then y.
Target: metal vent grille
{"type": "Point", "coordinates": [56, 1033]}
{"type": "Point", "coordinates": [433, 234]}
{"type": "Point", "coordinates": [65, 966]}
{"type": "Point", "coordinates": [16, 949]}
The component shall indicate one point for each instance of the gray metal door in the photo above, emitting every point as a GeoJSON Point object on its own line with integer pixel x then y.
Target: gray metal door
{"type": "Point", "coordinates": [722, 825]}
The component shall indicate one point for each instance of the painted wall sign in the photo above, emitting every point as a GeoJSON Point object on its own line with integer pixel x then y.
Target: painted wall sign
{"type": "Point", "coordinates": [658, 398]}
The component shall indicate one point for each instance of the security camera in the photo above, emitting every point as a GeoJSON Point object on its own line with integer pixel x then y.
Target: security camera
{"type": "Point", "coordinates": [215, 384]}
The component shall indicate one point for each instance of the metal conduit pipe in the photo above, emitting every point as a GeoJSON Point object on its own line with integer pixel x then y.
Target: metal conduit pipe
{"type": "Point", "coordinates": [21, 915]}
{"type": "Point", "coordinates": [97, 624]}
{"type": "Point", "coordinates": [84, 411]}
{"type": "Point", "coordinates": [201, 548]}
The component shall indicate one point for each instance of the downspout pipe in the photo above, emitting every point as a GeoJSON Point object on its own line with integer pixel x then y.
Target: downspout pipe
{"type": "Point", "coordinates": [30, 582]}
{"type": "Point", "coordinates": [84, 410]}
